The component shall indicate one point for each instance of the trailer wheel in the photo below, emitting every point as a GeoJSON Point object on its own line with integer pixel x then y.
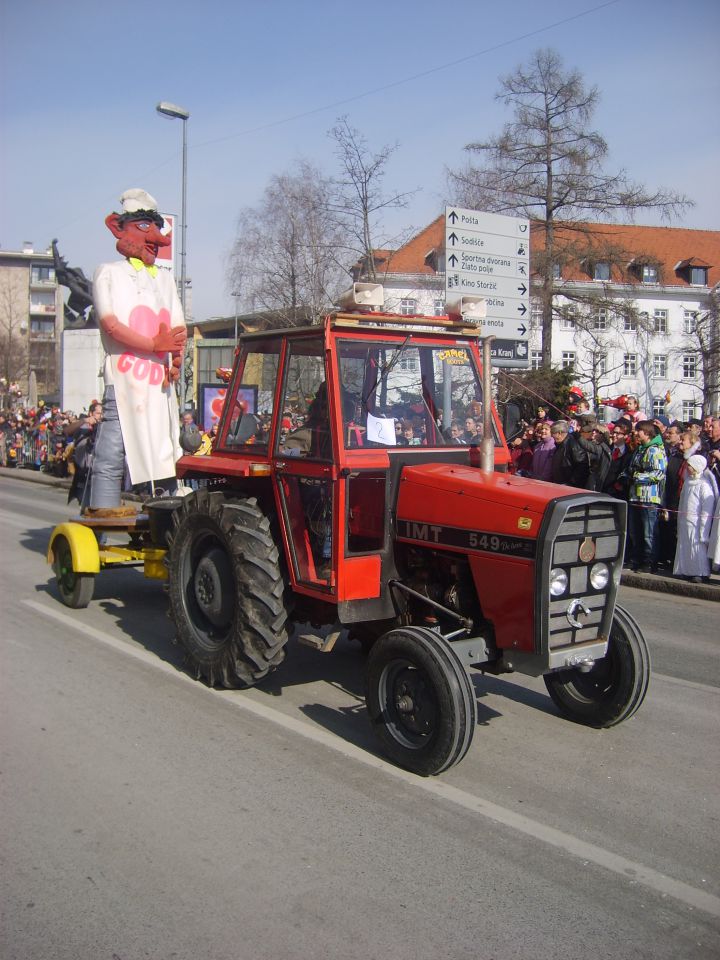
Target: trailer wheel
{"type": "Point", "coordinates": [420, 700]}
{"type": "Point", "coordinates": [227, 589]}
{"type": "Point", "coordinates": [613, 689]}
{"type": "Point", "coordinates": [75, 589]}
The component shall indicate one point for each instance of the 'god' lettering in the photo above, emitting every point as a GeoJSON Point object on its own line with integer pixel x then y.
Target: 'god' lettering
{"type": "Point", "coordinates": [140, 368]}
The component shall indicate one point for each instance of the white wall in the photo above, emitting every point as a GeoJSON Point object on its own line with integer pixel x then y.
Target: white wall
{"type": "Point", "coordinates": [82, 359]}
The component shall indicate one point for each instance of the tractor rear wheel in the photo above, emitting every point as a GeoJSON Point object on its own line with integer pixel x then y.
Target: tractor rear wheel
{"type": "Point", "coordinates": [614, 687]}
{"type": "Point", "coordinates": [421, 700]}
{"type": "Point", "coordinates": [227, 591]}
{"type": "Point", "coordinates": [75, 589]}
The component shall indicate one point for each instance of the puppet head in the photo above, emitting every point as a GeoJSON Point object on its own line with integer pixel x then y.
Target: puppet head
{"type": "Point", "coordinates": [139, 228]}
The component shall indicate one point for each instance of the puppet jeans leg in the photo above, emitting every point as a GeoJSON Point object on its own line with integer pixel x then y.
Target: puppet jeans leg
{"type": "Point", "coordinates": [109, 463]}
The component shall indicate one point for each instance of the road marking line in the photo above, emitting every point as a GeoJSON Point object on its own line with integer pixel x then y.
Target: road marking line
{"type": "Point", "coordinates": [630, 870]}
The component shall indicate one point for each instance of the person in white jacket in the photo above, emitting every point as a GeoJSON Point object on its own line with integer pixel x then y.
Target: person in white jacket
{"type": "Point", "coordinates": [695, 520]}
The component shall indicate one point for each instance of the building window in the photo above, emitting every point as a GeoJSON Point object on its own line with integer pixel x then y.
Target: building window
{"type": "Point", "coordinates": [42, 301]}
{"type": "Point", "coordinates": [599, 319]}
{"type": "Point", "coordinates": [630, 365]}
{"type": "Point", "coordinates": [659, 365]}
{"type": "Point", "coordinates": [658, 406]}
{"type": "Point", "coordinates": [629, 323]}
{"type": "Point", "coordinates": [535, 314]}
{"type": "Point", "coordinates": [42, 328]}
{"type": "Point", "coordinates": [689, 321]}
{"type": "Point", "coordinates": [689, 410]}
{"type": "Point", "coordinates": [567, 318]}
{"type": "Point", "coordinates": [649, 273]}
{"type": "Point", "coordinates": [601, 271]}
{"type": "Point", "coordinates": [689, 366]}
{"type": "Point", "coordinates": [408, 307]}
{"type": "Point", "coordinates": [40, 274]}
{"type": "Point", "coordinates": [408, 363]}
{"type": "Point", "coordinates": [535, 359]}
{"type": "Point", "coordinates": [698, 276]}
{"type": "Point", "coordinates": [568, 359]}
{"type": "Point", "coordinates": [557, 271]}
{"type": "Point", "coordinates": [438, 308]}
{"type": "Point", "coordinates": [660, 321]}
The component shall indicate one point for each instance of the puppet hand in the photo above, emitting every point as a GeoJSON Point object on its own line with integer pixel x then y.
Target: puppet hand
{"type": "Point", "coordinates": [172, 372]}
{"type": "Point", "coordinates": [169, 340]}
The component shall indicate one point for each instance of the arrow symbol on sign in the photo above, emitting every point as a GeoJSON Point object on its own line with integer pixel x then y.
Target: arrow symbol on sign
{"type": "Point", "coordinates": [522, 309]}
{"type": "Point", "coordinates": [522, 289]}
{"type": "Point", "coordinates": [453, 238]}
{"type": "Point", "coordinates": [452, 216]}
{"type": "Point", "coordinates": [452, 260]}
{"type": "Point", "coordinates": [522, 329]}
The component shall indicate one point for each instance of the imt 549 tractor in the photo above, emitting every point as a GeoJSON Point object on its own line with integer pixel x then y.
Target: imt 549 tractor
{"type": "Point", "coordinates": [342, 494]}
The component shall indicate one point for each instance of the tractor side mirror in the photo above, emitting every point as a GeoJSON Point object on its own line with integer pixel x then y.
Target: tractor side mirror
{"type": "Point", "coordinates": [511, 419]}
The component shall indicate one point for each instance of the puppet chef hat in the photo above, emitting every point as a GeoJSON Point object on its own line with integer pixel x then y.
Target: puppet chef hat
{"type": "Point", "coordinates": [135, 199]}
{"type": "Point", "coordinates": [697, 463]}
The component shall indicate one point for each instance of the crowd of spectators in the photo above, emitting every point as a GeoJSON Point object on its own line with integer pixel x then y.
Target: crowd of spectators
{"type": "Point", "coordinates": [667, 472]}
{"type": "Point", "coordinates": [36, 438]}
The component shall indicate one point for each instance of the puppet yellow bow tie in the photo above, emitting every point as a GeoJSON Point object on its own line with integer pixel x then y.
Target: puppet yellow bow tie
{"type": "Point", "coordinates": [139, 265]}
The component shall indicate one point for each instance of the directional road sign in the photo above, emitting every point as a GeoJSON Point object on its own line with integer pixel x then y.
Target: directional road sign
{"type": "Point", "coordinates": [488, 255]}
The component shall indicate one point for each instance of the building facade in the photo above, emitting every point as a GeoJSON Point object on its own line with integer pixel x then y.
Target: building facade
{"type": "Point", "coordinates": [31, 321]}
{"type": "Point", "coordinates": [634, 309]}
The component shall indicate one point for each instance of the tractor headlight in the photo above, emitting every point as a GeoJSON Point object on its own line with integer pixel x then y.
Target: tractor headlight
{"type": "Point", "coordinates": [599, 576]}
{"type": "Point", "coordinates": [558, 582]}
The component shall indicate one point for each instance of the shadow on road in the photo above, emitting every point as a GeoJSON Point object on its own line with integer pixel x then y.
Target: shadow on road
{"type": "Point", "coordinates": [36, 541]}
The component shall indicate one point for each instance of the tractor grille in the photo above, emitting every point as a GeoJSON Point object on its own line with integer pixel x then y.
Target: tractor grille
{"type": "Point", "coordinates": [600, 527]}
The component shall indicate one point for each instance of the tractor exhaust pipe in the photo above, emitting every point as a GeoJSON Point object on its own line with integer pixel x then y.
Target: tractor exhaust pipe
{"type": "Point", "coordinates": [487, 445]}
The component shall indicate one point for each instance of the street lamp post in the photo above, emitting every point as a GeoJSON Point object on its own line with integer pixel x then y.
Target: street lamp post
{"type": "Point", "coordinates": [179, 113]}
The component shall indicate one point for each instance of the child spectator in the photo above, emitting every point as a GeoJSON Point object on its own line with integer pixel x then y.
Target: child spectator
{"type": "Point", "coordinates": [695, 519]}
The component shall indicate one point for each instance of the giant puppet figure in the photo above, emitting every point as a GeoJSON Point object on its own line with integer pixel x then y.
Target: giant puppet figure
{"type": "Point", "coordinates": [143, 333]}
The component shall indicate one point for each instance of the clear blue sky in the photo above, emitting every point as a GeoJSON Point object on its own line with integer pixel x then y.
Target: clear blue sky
{"type": "Point", "coordinates": [264, 81]}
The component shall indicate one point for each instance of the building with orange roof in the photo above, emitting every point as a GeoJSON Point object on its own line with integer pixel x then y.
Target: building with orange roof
{"type": "Point", "coordinates": [632, 307]}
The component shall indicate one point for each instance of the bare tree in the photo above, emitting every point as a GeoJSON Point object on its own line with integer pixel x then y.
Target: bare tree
{"type": "Point", "coordinates": [702, 339]}
{"type": "Point", "coordinates": [547, 164]}
{"type": "Point", "coordinates": [358, 199]}
{"type": "Point", "coordinates": [284, 260]}
{"type": "Point", "coordinates": [13, 339]}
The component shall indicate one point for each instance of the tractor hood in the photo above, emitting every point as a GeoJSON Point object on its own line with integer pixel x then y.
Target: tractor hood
{"type": "Point", "coordinates": [466, 498]}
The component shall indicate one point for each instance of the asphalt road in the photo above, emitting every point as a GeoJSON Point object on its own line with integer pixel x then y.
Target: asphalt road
{"type": "Point", "coordinates": [144, 815]}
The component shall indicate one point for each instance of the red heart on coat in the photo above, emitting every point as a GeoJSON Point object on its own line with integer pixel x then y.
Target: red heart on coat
{"type": "Point", "coordinates": [144, 320]}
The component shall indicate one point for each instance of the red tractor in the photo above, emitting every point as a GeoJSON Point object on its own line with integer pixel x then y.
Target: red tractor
{"type": "Point", "coordinates": [358, 482]}
{"type": "Point", "coordinates": [343, 493]}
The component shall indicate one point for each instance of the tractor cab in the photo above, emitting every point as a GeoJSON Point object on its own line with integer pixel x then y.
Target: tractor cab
{"type": "Point", "coordinates": [331, 414]}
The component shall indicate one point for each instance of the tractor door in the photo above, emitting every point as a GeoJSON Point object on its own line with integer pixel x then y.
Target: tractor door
{"type": "Point", "coordinates": [304, 473]}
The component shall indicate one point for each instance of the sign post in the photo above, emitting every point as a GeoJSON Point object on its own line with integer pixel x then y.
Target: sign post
{"type": "Point", "coordinates": [488, 255]}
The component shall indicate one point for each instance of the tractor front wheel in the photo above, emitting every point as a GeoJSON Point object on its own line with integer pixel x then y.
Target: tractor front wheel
{"type": "Point", "coordinates": [614, 687]}
{"type": "Point", "coordinates": [420, 700]}
{"type": "Point", "coordinates": [227, 591]}
{"type": "Point", "coordinates": [75, 589]}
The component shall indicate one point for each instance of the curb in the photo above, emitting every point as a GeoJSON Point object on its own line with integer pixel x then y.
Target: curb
{"type": "Point", "coordinates": [641, 581]}
{"type": "Point", "coordinates": [679, 588]}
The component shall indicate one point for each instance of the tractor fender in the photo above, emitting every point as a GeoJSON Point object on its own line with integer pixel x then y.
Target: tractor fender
{"type": "Point", "coordinates": [83, 547]}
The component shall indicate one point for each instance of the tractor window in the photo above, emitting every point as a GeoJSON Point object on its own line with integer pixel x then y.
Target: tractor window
{"type": "Point", "coordinates": [410, 394]}
{"type": "Point", "coordinates": [305, 427]}
{"type": "Point", "coordinates": [251, 408]}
